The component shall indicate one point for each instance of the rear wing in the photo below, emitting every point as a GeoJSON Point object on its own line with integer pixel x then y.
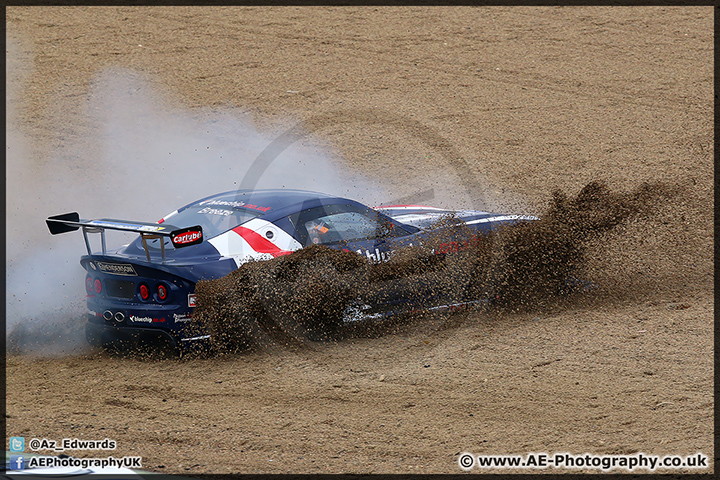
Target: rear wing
{"type": "Point", "coordinates": [180, 237]}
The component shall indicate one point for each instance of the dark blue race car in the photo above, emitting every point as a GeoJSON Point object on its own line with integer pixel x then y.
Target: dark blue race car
{"type": "Point", "coordinates": [147, 289]}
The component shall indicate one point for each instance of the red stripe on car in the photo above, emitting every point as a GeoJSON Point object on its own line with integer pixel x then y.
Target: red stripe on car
{"type": "Point", "coordinates": [259, 243]}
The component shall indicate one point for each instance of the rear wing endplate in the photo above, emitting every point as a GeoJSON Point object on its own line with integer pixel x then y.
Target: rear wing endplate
{"type": "Point", "coordinates": [180, 237]}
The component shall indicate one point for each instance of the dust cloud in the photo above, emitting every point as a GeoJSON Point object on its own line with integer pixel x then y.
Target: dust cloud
{"type": "Point", "coordinates": [304, 296]}
{"type": "Point", "coordinates": [125, 152]}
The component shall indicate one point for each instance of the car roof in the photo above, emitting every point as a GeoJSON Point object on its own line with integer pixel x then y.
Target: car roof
{"type": "Point", "coordinates": [270, 203]}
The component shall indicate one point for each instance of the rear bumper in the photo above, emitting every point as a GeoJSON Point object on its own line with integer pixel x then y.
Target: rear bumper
{"type": "Point", "coordinates": [137, 338]}
{"type": "Point", "coordinates": [103, 335]}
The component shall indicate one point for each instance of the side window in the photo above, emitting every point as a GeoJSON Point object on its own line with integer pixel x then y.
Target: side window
{"type": "Point", "coordinates": [347, 226]}
{"type": "Point", "coordinates": [340, 223]}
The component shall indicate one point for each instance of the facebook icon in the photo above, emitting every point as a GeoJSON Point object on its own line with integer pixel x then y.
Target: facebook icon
{"type": "Point", "coordinates": [17, 462]}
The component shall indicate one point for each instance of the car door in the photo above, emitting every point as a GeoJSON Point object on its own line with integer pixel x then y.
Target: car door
{"type": "Point", "coordinates": [370, 234]}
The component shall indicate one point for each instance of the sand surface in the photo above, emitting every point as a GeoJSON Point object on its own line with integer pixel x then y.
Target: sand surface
{"type": "Point", "coordinates": [461, 107]}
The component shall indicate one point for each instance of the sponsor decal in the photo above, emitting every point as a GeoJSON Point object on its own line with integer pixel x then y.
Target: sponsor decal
{"type": "Point", "coordinates": [181, 318]}
{"type": "Point", "coordinates": [449, 247]}
{"type": "Point", "coordinates": [453, 246]}
{"type": "Point", "coordinates": [215, 211]}
{"type": "Point", "coordinates": [376, 257]}
{"type": "Point", "coordinates": [226, 203]}
{"type": "Point", "coordinates": [136, 319]}
{"type": "Point", "coordinates": [127, 226]}
{"type": "Point", "coordinates": [192, 300]}
{"type": "Point", "coordinates": [151, 229]}
{"type": "Point", "coordinates": [187, 237]}
{"type": "Point", "coordinates": [116, 268]}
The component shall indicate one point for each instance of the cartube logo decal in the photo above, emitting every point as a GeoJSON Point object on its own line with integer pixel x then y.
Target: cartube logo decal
{"type": "Point", "coordinates": [187, 237]}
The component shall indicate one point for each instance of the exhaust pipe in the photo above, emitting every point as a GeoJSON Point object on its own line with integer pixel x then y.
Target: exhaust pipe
{"type": "Point", "coordinates": [107, 315]}
{"type": "Point", "coordinates": [119, 317]}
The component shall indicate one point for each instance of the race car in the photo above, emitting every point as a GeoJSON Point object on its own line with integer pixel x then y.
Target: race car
{"type": "Point", "coordinates": [146, 289]}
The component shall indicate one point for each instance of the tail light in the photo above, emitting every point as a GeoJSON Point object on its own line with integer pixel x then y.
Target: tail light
{"type": "Point", "coordinates": [162, 292]}
{"type": "Point", "coordinates": [89, 285]}
{"type": "Point", "coordinates": [144, 292]}
{"type": "Point", "coordinates": [97, 285]}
